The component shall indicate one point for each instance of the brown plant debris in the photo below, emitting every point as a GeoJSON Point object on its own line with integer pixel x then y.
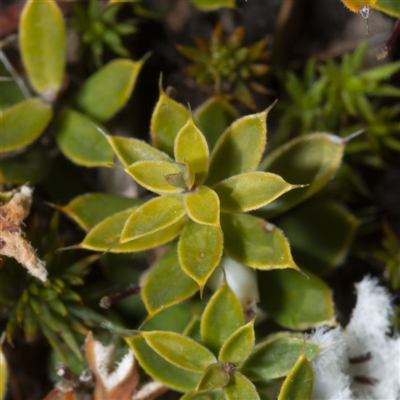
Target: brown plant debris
{"type": "Point", "coordinates": [12, 241]}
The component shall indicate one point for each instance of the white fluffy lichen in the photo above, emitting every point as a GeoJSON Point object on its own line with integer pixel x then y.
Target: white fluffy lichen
{"type": "Point", "coordinates": [361, 361]}
{"type": "Point", "coordinates": [12, 242]}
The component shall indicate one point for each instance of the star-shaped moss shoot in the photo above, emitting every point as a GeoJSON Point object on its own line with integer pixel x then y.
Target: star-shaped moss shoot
{"type": "Point", "coordinates": [226, 66]}
{"type": "Point", "coordinates": [217, 357]}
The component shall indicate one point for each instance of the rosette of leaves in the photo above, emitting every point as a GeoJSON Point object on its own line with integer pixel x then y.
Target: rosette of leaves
{"type": "Point", "coordinates": [203, 198]}
{"type": "Point", "coordinates": [53, 308]}
{"type": "Point", "coordinates": [43, 52]}
{"type": "Point", "coordinates": [96, 23]}
{"type": "Point", "coordinates": [198, 205]}
{"type": "Point", "coordinates": [226, 66]}
{"type": "Point", "coordinates": [217, 358]}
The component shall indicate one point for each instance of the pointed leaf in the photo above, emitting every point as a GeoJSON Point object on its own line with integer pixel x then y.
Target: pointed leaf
{"type": "Point", "coordinates": [22, 123]}
{"type": "Point", "coordinates": [313, 245]}
{"type": "Point", "coordinates": [156, 214]}
{"type": "Point", "coordinates": [246, 192]}
{"type": "Point", "coordinates": [90, 209]}
{"type": "Point", "coordinates": [222, 317]}
{"type": "Point", "coordinates": [179, 350]}
{"type": "Point", "coordinates": [304, 301]}
{"type": "Point", "coordinates": [307, 160]}
{"type": "Point", "coordinates": [238, 346]}
{"type": "Point", "coordinates": [151, 175]}
{"type": "Point", "coordinates": [214, 377]}
{"type": "Point", "coordinates": [80, 140]}
{"type": "Point", "coordinates": [107, 90]}
{"type": "Point", "coordinates": [131, 150]}
{"type": "Point", "coordinates": [202, 206]}
{"type": "Point", "coordinates": [190, 145]}
{"type": "Point", "coordinates": [156, 294]}
{"type": "Point", "coordinates": [239, 149]}
{"type": "Point", "coordinates": [213, 117]}
{"type": "Point", "coordinates": [381, 72]}
{"type": "Point", "coordinates": [240, 388]}
{"type": "Point", "coordinates": [216, 394]}
{"type": "Point", "coordinates": [200, 250]}
{"type": "Point", "coordinates": [160, 369]}
{"type": "Point", "coordinates": [105, 236]}
{"type": "Point", "coordinates": [43, 46]}
{"type": "Point", "coordinates": [298, 385]}
{"type": "Point", "coordinates": [168, 119]}
{"type": "Point", "coordinates": [275, 358]}
{"type": "Point", "coordinates": [255, 242]}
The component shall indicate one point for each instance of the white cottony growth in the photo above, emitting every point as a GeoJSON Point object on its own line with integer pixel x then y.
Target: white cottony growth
{"type": "Point", "coordinates": [103, 355]}
{"type": "Point", "coordinates": [329, 365]}
{"type": "Point", "coordinates": [361, 361]}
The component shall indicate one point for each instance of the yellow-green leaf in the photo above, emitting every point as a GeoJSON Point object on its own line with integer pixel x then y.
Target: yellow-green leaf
{"type": "Point", "coordinates": [166, 283]}
{"type": "Point", "coordinates": [179, 350]}
{"type": "Point", "coordinates": [80, 139]}
{"type": "Point", "coordinates": [240, 388]}
{"type": "Point", "coordinates": [156, 214]}
{"type": "Point", "coordinates": [202, 206]}
{"type": "Point", "coordinates": [222, 316]}
{"type": "Point", "coordinates": [108, 89]}
{"type": "Point", "coordinates": [216, 394]}
{"type": "Point", "coordinates": [390, 7]}
{"type": "Point", "coordinates": [43, 46]}
{"type": "Point", "coordinates": [151, 175]}
{"type": "Point", "coordinates": [304, 301]}
{"type": "Point", "coordinates": [314, 246]}
{"type": "Point", "coordinates": [90, 209]}
{"type": "Point", "coordinates": [208, 5]}
{"type": "Point", "coordinates": [307, 160]}
{"type": "Point", "coordinates": [160, 369]}
{"type": "Point", "coordinates": [22, 123]}
{"type": "Point", "coordinates": [213, 117]}
{"type": "Point", "coordinates": [168, 119]}
{"type": "Point", "coordinates": [190, 145]}
{"type": "Point", "coordinates": [275, 358]}
{"type": "Point", "coordinates": [255, 242]}
{"type": "Point", "coordinates": [131, 150]}
{"type": "Point", "coordinates": [239, 149]}
{"type": "Point", "coordinates": [215, 376]}
{"type": "Point", "coordinates": [298, 384]}
{"type": "Point", "coordinates": [238, 346]}
{"type": "Point", "coordinates": [200, 250]}
{"type": "Point", "coordinates": [105, 236]}
{"type": "Point", "coordinates": [249, 191]}
{"type": "Point", "coordinates": [3, 373]}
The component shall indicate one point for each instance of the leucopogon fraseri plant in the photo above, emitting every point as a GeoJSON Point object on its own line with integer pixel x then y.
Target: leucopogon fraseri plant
{"type": "Point", "coordinates": [217, 195]}
{"type": "Point", "coordinates": [218, 359]}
